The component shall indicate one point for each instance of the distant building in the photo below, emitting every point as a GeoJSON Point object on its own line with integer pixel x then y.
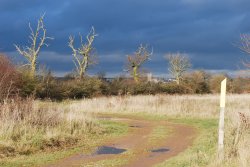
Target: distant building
{"type": "Point", "coordinates": [149, 78]}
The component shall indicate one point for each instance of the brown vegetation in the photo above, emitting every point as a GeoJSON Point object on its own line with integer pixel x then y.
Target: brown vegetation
{"type": "Point", "coordinates": [237, 150]}
{"type": "Point", "coordinates": [27, 127]}
{"type": "Point", "coordinates": [8, 78]}
{"type": "Point", "coordinates": [45, 86]}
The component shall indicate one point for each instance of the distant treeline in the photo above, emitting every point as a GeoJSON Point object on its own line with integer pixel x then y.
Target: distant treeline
{"type": "Point", "coordinates": [198, 82]}
{"type": "Point", "coordinates": [14, 81]}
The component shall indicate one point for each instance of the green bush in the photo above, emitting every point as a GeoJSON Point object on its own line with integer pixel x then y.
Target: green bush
{"type": "Point", "coordinates": [173, 88]}
{"type": "Point", "coordinates": [88, 87]}
{"type": "Point", "coordinates": [49, 87]}
{"type": "Point", "coordinates": [27, 84]}
{"type": "Point", "coordinates": [145, 88]}
{"type": "Point", "coordinates": [50, 90]}
{"type": "Point", "coordinates": [118, 86]}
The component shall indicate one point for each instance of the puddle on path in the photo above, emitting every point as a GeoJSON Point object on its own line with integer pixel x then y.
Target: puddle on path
{"type": "Point", "coordinates": [135, 126]}
{"type": "Point", "coordinates": [109, 150]}
{"type": "Point", "coordinates": [160, 150]}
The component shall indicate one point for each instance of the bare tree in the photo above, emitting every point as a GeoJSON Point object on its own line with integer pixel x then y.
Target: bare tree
{"type": "Point", "coordinates": [38, 39]}
{"type": "Point", "coordinates": [178, 64]}
{"type": "Point", "coordinates": [135, 61]}
{"type": "Point", "coordinates": [245, 46]}
{"type": "Point", "coordinates": [83, 56]}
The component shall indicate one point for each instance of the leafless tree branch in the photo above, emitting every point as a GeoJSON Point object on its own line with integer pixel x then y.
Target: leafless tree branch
{"type": "Point", "coordinates": [38, 39]}
{"type": "Point", "coordinates": [83, 56]}
{"type": "Point", "coordinates": [178, 64]}
{"type": "Point", "coordinates": [135, 61]}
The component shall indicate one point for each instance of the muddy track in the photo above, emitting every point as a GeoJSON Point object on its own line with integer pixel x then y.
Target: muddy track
{"type": "Point", "coordinates": [145, 154]}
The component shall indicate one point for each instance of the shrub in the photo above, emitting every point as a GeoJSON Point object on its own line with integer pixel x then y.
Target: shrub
{"type": "Point", "coordinates": [118, 86]}
{"type": "Point", "coordinates": [144, 88]}
{"type": "Point", "coordinates": [27, 85]}
{"type": "Point", "coordinates": [198, 81]}
{"type": "Point", "coordinates": [173, 88]}
{"type": "Point", "coordinates": [49, 88]}
{"type": "Point", "coordinates": [240, 85]}
{"type": "Point", "coordinates": [215, 81]}
{"type": "Point", "coordinates": [8, 78]}
{"type": "Point", "coordinates": [88, 87]}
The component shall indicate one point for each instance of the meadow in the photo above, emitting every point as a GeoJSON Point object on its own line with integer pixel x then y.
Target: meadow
{"type": "Point", "coordinates": [54, 130]}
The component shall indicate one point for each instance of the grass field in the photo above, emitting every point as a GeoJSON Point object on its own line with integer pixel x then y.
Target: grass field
{"type": "Point", "coordinates": [199, 111]}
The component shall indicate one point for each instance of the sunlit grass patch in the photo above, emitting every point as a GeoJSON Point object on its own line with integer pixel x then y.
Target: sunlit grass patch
{"type": "Point", "coordinates": [86, 145]}
{"type": "Point", "coordinates": [202, 150]}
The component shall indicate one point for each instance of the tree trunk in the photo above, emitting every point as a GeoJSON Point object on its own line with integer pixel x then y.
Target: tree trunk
{"type": "Point", "coordinates": [135, 75]}
{"type": "Point", "coordinates": [178, 80]}
{"type": "Point", "coordinates": [33, 68]}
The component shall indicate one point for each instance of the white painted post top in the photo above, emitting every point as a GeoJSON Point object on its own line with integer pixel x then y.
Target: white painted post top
{"type": "Point", "coordinates": [223, 93]}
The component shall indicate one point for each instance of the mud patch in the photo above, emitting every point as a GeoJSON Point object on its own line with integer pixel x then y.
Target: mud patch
{"type": "Point", "coordinates": [146, 154]}
{"type": "Point", "coordinates": [160, 150]}
{"type": "Point", "coordinates": [109, 150]}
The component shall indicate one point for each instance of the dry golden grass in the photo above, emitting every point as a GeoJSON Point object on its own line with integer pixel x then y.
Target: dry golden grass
{"type": "Point", "coordinates": [199, 106]}
{"type": "Point", "coordinates": [27, 127]}
{"type": "Point", "coordinates": [237, 148]}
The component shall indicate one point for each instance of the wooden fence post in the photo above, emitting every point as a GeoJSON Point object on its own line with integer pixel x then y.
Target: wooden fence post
{"type": "Point", "coordinates": [221, 121]}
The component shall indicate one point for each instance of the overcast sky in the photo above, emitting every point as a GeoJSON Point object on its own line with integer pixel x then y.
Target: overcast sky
{"type": "Point", "coordinates": [206, 30]}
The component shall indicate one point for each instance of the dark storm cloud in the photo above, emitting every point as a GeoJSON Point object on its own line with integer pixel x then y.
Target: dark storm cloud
{"type": "Point", "coordinates": [204, 29]}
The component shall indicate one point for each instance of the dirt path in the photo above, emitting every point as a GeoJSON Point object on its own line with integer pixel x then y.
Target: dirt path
{"type": "Point", "coordinates": [145, 154]}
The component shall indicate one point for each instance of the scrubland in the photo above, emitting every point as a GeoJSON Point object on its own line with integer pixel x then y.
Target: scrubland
{"type": "Point", "coordinates": [29, 126]}
{"type": "Point", "coordinates": [191, 108]}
